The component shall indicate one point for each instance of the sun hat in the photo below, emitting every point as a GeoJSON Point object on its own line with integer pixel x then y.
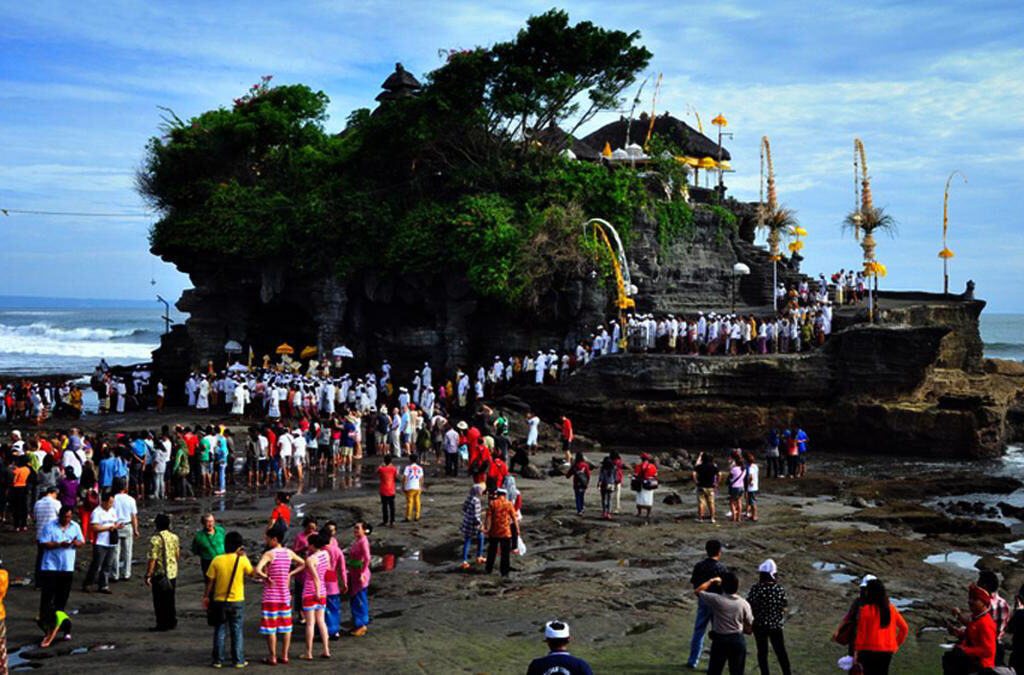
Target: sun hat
{"type": "Point", "coordinates": [769, 567]}
{"type": "Point", "coordinates": [866, 579]}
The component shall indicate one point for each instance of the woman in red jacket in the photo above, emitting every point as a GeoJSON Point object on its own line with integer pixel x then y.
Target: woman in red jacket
{"type": "Point", "coordinates": [880, 630]}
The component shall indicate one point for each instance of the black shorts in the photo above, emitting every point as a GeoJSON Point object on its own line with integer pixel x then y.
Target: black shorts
{"type": "Point", "coordinates": [566, 444]}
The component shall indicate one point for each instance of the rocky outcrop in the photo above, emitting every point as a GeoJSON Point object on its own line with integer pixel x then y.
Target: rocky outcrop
{"type": "Point", "coordinates": [872, 389]}
{"type": "Point", "coordinates": [438, 317]}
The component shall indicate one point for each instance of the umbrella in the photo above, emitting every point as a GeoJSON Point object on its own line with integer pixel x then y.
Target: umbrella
{"type": "Point", "coordinates": [237, 368]}
{"type": "Point", "coordinates": [233, 347]}
{"type": "Point", "coordinates": [343, 351]}
{"type": "Point", "coordinates": [284, 348]}
{"type": "Point", "coordinates": [307, 352]}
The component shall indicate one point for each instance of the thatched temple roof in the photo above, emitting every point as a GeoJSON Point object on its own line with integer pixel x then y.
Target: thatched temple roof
{"type": "Point", "coordinates": [691, 141]}
{"type": "Point", "coordinates": [556, 138]}
{"type": "Point", "coordinates": [399, 84]}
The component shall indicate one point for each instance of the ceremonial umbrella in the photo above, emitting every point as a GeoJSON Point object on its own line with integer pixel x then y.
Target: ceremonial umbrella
{"type": "Point", "coordinates": [307, 352]}
{"type": "Point", "coordinates": [233, 347]}
{"type": "Point", "coordinates": [237, 368]}
{"type": "Point", "coordinates": [284, 348]}
{"type": "Point", "coordinates": [343, 351]}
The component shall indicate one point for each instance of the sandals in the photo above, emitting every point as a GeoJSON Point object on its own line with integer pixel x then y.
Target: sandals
{"type": "Point", "coordinates": [267, 661]}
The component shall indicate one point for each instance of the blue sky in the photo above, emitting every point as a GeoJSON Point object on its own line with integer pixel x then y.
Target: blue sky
{"type": "Point", "coordinates": [929, 87]}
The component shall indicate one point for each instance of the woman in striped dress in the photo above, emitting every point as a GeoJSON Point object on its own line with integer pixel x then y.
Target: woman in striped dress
{"type": "Point", "coordinates": [275, 569]}
{"type": "Point", "coordinates": [314, 593]}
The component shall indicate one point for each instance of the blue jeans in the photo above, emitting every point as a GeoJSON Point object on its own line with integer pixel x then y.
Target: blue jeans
{"type": "Point", "coordinates": [700, 629]}
{"type": "Point", "coordinates": [466, 541]}
{"type": "Point", "coordinates": [221, 476]}
{"type": "Point", "coordinates": [360, 609]}
{"type": "Point", "coordinates": [579, 500]}
{"type": "Point", "coordinates": [234, 622]}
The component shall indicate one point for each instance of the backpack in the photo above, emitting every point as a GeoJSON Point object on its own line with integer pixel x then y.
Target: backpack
{"type": "Point", "coordinates": [581, 478]}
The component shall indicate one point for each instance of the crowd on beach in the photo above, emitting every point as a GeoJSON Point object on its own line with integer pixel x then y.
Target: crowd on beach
{"type": "Point", "coordinates": [89, 489]}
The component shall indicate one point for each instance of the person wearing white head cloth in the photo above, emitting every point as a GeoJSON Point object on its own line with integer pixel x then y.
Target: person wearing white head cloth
{"type": "Point", "coordinates": [616, 337]}
{"type": "Point", "coordinates": [768, 604]}
{"type": "Point", "coordinates": [558, 660]}
{"type": "Point", "coordinates": [463, 389]}
{"type": "Point", "coordinates": [539, 366]}
{"type": "Point", "coordinates": [327, 394]}
{"type": "Point", "coordinates": [427, 374]}
{"type": "Point", "coordinates": [240, 398]}
{"type": "Point", "coordinates": [203, 395]}
{"type": "Point", "coordinates": [417, 385]}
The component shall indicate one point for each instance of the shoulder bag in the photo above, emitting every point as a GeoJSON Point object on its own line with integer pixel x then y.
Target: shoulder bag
{"type": "Point", "coordinates": [217, 610]}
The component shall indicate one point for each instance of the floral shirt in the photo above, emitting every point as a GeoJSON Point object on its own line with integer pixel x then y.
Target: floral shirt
{"type": "Point", "coordinates": [157, 544]}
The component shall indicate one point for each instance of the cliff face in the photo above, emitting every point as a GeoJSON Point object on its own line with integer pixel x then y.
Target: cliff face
{"type": "Point", "coordinates": [438, 317]}
{"type": "Point", "coordinates": [878, 389]}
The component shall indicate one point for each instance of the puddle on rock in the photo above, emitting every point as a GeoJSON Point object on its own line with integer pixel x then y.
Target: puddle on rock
{"type": "Point", "coordinates": [822, 566]}
{"type": "Point", "coordinates": [904, 603]}
{"type": "Point", "coordinates": [841, 578]}
{"type": "Point", "coordinates": [1015, 547]}
{"type": "Point", "coordinates": [959, 559]}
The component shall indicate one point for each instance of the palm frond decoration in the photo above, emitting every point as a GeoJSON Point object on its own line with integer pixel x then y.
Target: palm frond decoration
{"type": "Point", "coordinates": [779, 221]}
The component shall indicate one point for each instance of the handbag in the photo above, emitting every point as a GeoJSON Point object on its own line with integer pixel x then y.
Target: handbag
{"type": "Point", "coordinates": [161, 582]}
{"type": "Point", "coordinates": [217, 610]}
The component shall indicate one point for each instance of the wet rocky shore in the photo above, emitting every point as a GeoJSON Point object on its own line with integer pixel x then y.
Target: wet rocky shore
{"type": "Point", "coordinates": [923, 526]}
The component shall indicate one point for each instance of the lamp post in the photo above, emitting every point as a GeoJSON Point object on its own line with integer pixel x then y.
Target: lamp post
{"type": "Point", "coordinates": [738, 270]}
{"type": "Point", "coordinates": [720, 122]}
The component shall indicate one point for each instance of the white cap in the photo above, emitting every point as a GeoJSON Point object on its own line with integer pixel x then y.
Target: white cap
{"type": "Point", "coordinates": [866, 579]}
{"type": "Point", "coordinates": [769, 567]}
{"type": "Point", "coordinates": [556, 630]}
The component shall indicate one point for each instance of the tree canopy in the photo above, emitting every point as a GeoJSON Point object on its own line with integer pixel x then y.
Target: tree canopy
{"type": "Point", "coordinates": [451, 177]}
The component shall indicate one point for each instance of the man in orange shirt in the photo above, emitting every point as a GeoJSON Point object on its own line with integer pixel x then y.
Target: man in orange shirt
{"type": "Point", "coordinates": [500, 525]}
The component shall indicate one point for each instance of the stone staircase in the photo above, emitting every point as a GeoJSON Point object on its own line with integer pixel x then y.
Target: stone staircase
{"type": "Point", "coordinates": [756, 288]}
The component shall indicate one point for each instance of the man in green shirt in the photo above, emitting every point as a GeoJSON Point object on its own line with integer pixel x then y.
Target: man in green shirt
{"type": "Point", "coordinates": [208, 542]}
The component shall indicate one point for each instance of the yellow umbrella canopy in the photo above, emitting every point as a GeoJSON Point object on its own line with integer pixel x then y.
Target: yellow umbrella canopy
{"type": "Point", "coordinates": [285, 348]}
{"type": "Point", "coordinates": [795, 246]}
{"type": "Point", "coordinates": [799, 231]}
{"type": "Point", "coordinates": [607, 151]}
{"type": "Point", "coordinates": [688, 161]}
{"type": "Point", "coordinates": [707, 163]}
{"type": "Point", "coordinates": [720, 121]}
{"type": "Point", "coordinates": [945, 253]}
{"type": "Point", "coordinates": [307, 352]}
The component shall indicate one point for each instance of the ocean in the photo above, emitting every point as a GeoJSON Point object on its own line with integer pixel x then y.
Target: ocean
{"type": "Point", "coordinates": [41, 336]}
{"type": "Point", "coordinates": [64, 335]}
{"type": "Point", "coordinates": [1003, 335]}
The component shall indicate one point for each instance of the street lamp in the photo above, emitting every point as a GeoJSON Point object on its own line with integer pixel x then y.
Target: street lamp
{"type": "Point", "coordinates": [738, 270]}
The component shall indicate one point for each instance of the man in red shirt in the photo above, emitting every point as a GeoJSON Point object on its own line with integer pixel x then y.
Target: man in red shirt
{"type": "Point", "coordinates": [479, 464]}
{"type": "Point", "coordinates": [976, 649]}
{"type": "Point", "coordinates": [472, 440]}
{"type": "Point", "coordinates": [567, 438]}
{"type": "Point", "coordinates": [387, 473]}
{"type": "Point", "coordinates": [497, 472]}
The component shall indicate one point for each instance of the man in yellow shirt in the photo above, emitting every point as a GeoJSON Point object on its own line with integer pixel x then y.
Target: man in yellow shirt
{"type": "Point", "coordinates": [225, 584]}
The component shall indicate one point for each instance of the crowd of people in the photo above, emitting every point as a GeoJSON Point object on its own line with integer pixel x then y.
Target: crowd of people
{"type": "Point", "coordinates": [305, 572]}
{"type": "Point", "coordinates": [29, 401]}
